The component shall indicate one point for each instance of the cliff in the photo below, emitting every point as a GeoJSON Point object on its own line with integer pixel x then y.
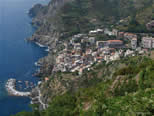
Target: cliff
{"type": "Point", "coordinates": [47, 34]}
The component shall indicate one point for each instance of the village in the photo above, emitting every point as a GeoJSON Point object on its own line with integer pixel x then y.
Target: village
{"type": "Point", "coordinates": [83, 50]}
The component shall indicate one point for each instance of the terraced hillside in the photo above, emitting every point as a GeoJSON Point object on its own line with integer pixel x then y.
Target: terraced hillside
{"type": "Point", "coordinates": [129, 91]}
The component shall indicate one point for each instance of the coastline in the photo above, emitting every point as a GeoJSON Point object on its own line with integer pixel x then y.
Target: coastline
{"type": "Point", "coordinates": [36, 97]}
{"type": "Point", "coordinates": [48, 41]}
{"type": "Point", "coordinates": [11, 88]}
{"type": "Point", "coordinates": [43, 46]}
{"type": "Point", "coordinates": [40, 45]}
{"type": "Point", "coordinates": [34, 94]}
{"type": "Point", "coordinates": [17, 56]}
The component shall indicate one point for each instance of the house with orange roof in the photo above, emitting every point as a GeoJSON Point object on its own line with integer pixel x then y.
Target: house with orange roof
{"type": "Point", "coordinates": [130, 35]}
{"type": "Point", "coordinates": [115, 43]}
{"type": "Point", "coordinates": [46, 79]}
{"type": "Point", "coordinates": [121, 34]}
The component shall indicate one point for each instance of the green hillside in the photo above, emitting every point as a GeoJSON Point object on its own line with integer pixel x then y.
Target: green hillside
{"type": "Point", "coordinates": [83, 15]}
{"type": "Point", "coordinates": [129, 92]}
{"type": "Point", "coordinates": [119, 88]}
{"type": "Point", "coordinates": [138, 20]}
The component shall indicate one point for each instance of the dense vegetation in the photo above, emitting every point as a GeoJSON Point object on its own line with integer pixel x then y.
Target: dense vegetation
{"type": "Point", "coordinates": [129, 92]}
{"type": "Point", "coordinates": [137, 21]}
{"type": "Point", "coordinates": [83, 15]}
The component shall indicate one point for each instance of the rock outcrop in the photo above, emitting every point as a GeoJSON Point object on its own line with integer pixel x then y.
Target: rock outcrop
{"type": "Point", "coordinates": [47, 33]}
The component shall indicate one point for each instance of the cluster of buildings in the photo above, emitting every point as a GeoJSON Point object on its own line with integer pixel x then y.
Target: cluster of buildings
{"type": "Point", "coordinates": [147, 42]}
{"type": "Point", "coordinates": [83, 50]}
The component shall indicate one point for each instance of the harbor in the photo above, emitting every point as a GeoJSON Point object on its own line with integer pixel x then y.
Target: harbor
{"type": "Point", "coordinates": [11, 89]}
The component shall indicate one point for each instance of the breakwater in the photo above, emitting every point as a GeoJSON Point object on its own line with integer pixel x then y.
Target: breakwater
{"type": "Point", "coordinates": [11, 88]}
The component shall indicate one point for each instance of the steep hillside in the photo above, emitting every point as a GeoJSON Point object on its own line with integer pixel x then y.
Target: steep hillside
{"type": "Point", "coordinates": [116, 88]}
{"type": "Point", "coordinates": [61, 19]}
{"type": "Point", "coordinates": [82, 15]}
{"type": "Point", "coordinates": [139, 22]}
{"type": "Point", "coordinates": [129, 91]}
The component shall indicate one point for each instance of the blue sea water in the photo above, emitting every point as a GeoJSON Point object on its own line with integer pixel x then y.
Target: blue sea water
{"type": "Point", "coordinates": [17, 56]}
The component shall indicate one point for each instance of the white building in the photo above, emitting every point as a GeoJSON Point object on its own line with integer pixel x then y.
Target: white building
{"type": "Point", "coordinates": [96, 31]}
{"type": "Point", "coordinates": [107, 32]}
{"type": "Point", "coordinates": [148, 42]}
{"type": "Point", "coordinates": [128, 52]}
{"type": "Point", "coordinates": [115, 32]}
{"type": "Point", "coordinates": [134, 43]}
{"type": "Point", "coordinates": [116, 56]}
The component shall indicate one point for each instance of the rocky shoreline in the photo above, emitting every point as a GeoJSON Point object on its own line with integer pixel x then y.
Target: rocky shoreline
{"type": "Point", "coordinates": [45, 65]}
{"type": "Point", "coordinates": [34, 94]}
{"type": "Point", "coordinates": [45, 36]}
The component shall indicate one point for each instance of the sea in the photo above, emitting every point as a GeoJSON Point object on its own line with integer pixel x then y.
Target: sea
{"type": "Point", "coordinates": [17, 56]}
